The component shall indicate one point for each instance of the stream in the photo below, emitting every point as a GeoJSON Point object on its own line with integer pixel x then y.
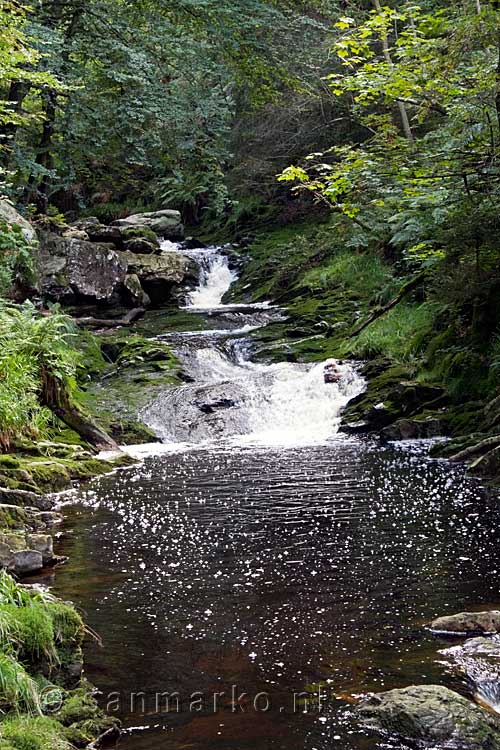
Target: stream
{"type": "Point", "coordinates": [258, 566]}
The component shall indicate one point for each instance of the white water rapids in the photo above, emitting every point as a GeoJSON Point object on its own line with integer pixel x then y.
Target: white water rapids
{"type": "Point", "coordinates": [234, 398]}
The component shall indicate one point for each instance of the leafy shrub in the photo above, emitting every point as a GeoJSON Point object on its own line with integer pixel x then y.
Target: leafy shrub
{"type": "Point", "coordinates": [16, 257]}
{"type": "Point", "coordinates": [36, 361]}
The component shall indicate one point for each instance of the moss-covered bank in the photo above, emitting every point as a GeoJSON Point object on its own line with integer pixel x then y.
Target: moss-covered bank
{"type": "Point", "coordinates": [44, 701]}
{"type": "Point", "coordinates": [431, 365]}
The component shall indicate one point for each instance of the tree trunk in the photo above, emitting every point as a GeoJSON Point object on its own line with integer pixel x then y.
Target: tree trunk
{"type": "Point", "coordinates": [17, 93]}
{"type": "Point", "coordinates": [56, 398]}
{"type": "Point", "coordinates": [37, 193]}
{"type": "Point", "coordinates": [402, 109]}
{"type": "Point", "coordinates": [75, 418]}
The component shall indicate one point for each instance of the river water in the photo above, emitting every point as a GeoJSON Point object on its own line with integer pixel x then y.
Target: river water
{"type": "Point", "coordinates": [260, 568]}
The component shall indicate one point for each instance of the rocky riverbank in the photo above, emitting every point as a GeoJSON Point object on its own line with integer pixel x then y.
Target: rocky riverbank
{"type": "Point", "coordinates": [100, 273]}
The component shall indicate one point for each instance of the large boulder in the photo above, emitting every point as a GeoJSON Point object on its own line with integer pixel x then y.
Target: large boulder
{"type": "Point", "coordinates": [27, 561]}
{"type": "Point", "coordinates": [166, 223]}
{"type": "Point", "coordinates": [9, 214]}
{"type": "Point", "coordinates": [468, 623]}
{"type": "Point", "coordinates": [70, 268]}
{"type": "Point", "coordinates": [42, 543]}
{"type": "Point", "coordinates": [160, 275]}
{"type": "Point", "coordinates": [102, 233]}
{"type": "Point", "coordinates": [431, 714]}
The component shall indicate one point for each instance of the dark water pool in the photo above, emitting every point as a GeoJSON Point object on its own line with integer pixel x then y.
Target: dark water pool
{"type": "Point", "coordinates": [277, 574]}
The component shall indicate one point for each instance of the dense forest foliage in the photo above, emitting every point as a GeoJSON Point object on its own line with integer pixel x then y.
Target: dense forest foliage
{"type": "Point", "coordinates": [377, 122]}
{"type": "Point", "coordinates": [107, 101]}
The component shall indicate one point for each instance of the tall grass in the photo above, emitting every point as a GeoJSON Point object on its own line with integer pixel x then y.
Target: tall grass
{"type": "Point", "coordinates": [363, 275]}
{"type": "Point", "coordinates": [19, 596]}
{"type": "Point", "coordinates": [18, 690]}
{"type": "Point", "coordinates": [397, 334]}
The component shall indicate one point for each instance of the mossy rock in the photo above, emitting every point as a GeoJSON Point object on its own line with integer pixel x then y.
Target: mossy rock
{"type": "Point", "coordinates": [140, 233]}
{"type": "Point", "coordinates": [82, 717]}
{"type": "Point", "coordinates": [431, 714]}
{"type": "Point", "coordinates": [12, 518]}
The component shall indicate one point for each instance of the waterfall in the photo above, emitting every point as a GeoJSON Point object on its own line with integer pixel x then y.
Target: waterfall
{"type": "Point", "coordinates": [232, 398]}
{"type": "Point", "coordinates": [215, 275]}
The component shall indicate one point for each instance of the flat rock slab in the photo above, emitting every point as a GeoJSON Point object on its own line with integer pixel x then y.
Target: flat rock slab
{"type": "Point", "coordinates": [430, 714]}
{"type": "Point", "coordinates": [468, 623]}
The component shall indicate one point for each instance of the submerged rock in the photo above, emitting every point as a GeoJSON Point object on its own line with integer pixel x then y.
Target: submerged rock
{"type": "Point", "coordinates": [468, 623]}
{"type": "Point", "coordinates": [432, 714]}
{"type": "Point", "coordinates": [422, 426]}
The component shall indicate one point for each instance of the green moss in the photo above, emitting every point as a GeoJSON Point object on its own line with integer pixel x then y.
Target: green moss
{"type": "Point", "coordinates": [80, 706]}
{"type": "Point", "coordinates": [34, 733]}
{"type": "Point", "coordinates": [11, 518]}
{"type": "Point", "coordinates": [67, 623]}
{"type": "Point", "coordinates": [32, 630]}
{"type": "Point", "coordinates": [143, 233]}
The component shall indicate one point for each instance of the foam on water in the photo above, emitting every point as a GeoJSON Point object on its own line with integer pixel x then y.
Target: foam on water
{"type": "Point", "coordinates": [236, 399]}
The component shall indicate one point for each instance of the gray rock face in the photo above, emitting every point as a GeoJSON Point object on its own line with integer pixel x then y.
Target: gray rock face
{"type": "Point", "coordinates": [141, 246]}
{"type": "Point", "coordinates": [198, 413]}
{"type": "Point", "coordinates": [6, 557]}
{"type": "Point", "coordinates": [23, 498]}
{"type": "Point", "coordinates": [165, 223]}
{"type": "Point", "coordinates": [160, 274]}
{"type": "Point", "coordinates": [432, 714]}
{"type": "Point", "coordinates": [9, 214]}
{"type": "Point", "coordinates": [102, 233]}
{"type": "Point", "coordinates": [137, 294]}
{"type": "Point", "coordinates": [42, 543]}
{"type": "Point", "coordinates": [70, 268]}
{"type": "Point", "coordinates": [49, 518]}
{"type": "Point", "coordinates": [27, 561]}
{"type": "Point", "coordinates": [468, 623]}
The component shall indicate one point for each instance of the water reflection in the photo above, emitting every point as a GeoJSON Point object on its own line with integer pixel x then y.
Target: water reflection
{"type": "Point", "coordinates": [277, 571]}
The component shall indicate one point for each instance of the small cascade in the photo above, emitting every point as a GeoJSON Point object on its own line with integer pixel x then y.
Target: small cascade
{"type": "Point", "coordinates": [278, 404]}
{"type": "Point", "coordinates": [479, 660]}
{"type": "Point", "coordinates": [231, 397]}
{"type": "Point", "coordinates": [215, 275]}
